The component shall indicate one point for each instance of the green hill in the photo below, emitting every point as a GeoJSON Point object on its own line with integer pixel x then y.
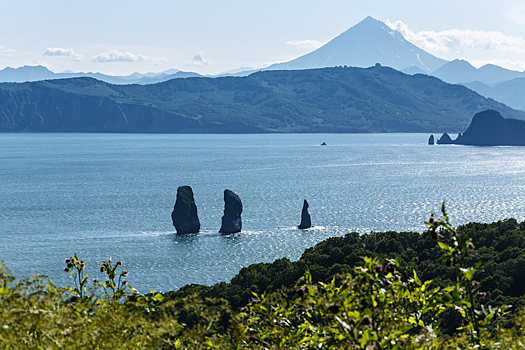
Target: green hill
{"type": "Point", "coordinates": [350, 100]}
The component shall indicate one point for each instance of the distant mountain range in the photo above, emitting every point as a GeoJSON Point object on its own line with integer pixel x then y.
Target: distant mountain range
{"type": "Point", "coordinates": [503, 85]}
{"type": "Point", "coordinates": [37, 73]}
{"type": "Point", "coordinates": [363, 45]}
{"type": "Point", "coordinates": [375, 99]}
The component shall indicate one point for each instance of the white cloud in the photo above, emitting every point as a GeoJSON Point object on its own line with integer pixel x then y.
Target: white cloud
{"type": "Point", "coordinates": [307, 44]}
{"type": "Point", "coordinates": [57, 51]}
{"type": "Point", "coordinates": [453, 39]}
{"type": "Point", "coordinates": [199, 60]}
{"type": "Point", "coordinates": [117, 56]}
{"type": "Point", "coordinates": [517, 14]}
{"type": "Point", "coordinates": [6, 52]}
{"type": "Point", "coordinates": [509, 64]}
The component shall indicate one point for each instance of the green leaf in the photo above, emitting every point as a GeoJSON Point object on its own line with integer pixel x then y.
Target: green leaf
{"type": "Point", "coordinates": [158, 297]}
{"type": "Point", "coordinates": [443, 246]}
{"type": "Point", "coordinates": [468, 273]}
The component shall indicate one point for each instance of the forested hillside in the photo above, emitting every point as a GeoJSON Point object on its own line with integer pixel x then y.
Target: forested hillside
{"type": "Point", "coordinates": [499, 246]}
{"type": "Point", "coordinates": [351, 100]}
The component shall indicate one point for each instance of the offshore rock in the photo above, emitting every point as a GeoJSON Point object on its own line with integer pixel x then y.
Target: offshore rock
{"type": "Point", "coordinates": [431, 140]}
{"type": "Point", "coordinates": [231, 221]}
{"type": "Point", "coordinates": [306, 221]}
{"type": "Point", "coordinates": [184, 215]}
{"type": "Point", "coordinates": [489, 128]}
{"type": "Point", "coordinates": [445, 140]}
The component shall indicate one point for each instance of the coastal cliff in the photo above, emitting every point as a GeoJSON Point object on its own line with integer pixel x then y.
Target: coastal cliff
{"type": "Point", "coordinates": [489, 128]}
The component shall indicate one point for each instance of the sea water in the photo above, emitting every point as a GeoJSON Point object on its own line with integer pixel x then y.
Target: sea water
{"type": "Point", "coordinates": [111, 195]}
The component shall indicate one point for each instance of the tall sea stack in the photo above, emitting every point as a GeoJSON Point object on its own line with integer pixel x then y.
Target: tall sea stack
{"type": "Point", "coordinates": [306, 221]}
{"type": "Point", "coordinates": [431, 140]}
{"type": "Point", "coordinates": [231, 221]}
{"type": "Point", "coordinates": [184, 215]}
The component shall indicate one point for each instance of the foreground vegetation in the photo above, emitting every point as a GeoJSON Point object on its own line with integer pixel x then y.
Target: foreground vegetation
{"type": "Point", "coordinates": [446, 288]}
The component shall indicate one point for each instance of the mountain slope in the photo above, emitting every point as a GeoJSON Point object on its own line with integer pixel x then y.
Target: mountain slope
{"type": "Point", "coordinates": [508, 92]}
{"type": "Point", "coordinates": [368, 42]}
{"type": "Point", "coordinates": [514, 91]}
{"type": "Point", "coordinates": [376, 99]}
{"type": "Point", "coordinates": [461, 71]}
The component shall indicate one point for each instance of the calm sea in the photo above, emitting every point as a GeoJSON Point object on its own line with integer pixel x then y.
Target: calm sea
{"type": "Point", "coordinates": [111, 195]}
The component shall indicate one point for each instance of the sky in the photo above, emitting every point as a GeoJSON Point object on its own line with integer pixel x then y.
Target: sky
{"type": "Point", "coordinates": [119, 37]}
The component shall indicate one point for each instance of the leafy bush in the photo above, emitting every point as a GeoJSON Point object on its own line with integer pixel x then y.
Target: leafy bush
{"type": "Point", "coordinates": [378, 303]}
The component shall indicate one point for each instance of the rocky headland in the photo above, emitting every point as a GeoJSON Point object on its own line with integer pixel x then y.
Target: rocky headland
{"type": "Point", "coordinates": [489, 128]}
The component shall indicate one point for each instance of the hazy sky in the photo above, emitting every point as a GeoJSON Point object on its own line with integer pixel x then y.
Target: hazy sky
{"type": "Point", "coordinates": [210, 36]}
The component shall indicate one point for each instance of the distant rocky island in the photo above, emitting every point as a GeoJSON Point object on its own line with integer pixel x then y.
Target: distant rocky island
{"type": "Point", "coordinates": [489, 128]}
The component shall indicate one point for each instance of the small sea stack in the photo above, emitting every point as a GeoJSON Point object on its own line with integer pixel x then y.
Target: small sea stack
{"type": "Point", "coordinates": [445, 140]}
{"type": "Point", "coordinates": [231, 220]}
{"type": "Point", "coordinates": [306, 221]}
{"type": "Point", "coordinates": [184, 215]}
{"type": "Point", "coordinates": [431, 140]}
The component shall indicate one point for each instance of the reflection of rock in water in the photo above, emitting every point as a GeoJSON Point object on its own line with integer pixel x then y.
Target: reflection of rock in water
{"type": "Point", "coordinates": [231, 221]}
{"type": "Point", "coordinates": [306, 221]}
{"type": "Point", "coordinates": [184, 215]}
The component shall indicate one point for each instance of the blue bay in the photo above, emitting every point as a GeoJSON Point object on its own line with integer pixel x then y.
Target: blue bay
{"type": "Point", "coordinates": [111, 195]}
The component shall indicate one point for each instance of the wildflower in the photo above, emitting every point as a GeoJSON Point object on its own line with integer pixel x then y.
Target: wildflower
{"type": "Point", "coordinates": [300, 291]}
{"type": "Point", "coordinates": [102, 269]}
{"type": "Point", "coordinates": [416, 260]}
{"type": "Point", "coordinates": [448, 262]}
{"type": "Point", "coordinates": [124, 283]}
{"type": "Point", "coordinates": [67, 261]}
{"type": "Point", "coordinates": [73, 298]}
{"type": "Point", "coordinates": [483, 294]}
{"type": "Point", "coordinates": [365, 321]}
{"type": "Point", "coordinates": [119, 262]}
{"type": "Point", "coordinates": [70, 265]}
{"type": "Point", "coordinates": [94, 280]}
{"type": "Point", "coordinates": [434, 235]}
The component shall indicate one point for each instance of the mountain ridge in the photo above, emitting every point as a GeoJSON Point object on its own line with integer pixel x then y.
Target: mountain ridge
{"type": "Point", "coordinates": [351, 100]}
